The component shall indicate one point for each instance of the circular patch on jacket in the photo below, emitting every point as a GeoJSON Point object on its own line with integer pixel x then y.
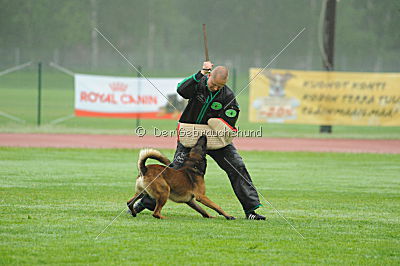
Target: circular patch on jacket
{"type": "Point", "coordinates": [230, 113]}
{"type": "Point", "coordinates": [216, 106]}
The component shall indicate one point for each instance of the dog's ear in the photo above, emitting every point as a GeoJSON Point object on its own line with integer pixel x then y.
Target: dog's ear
{"type": "Point", "coordinates": [201, 146]}
{"type": "Point", "coordinates": [202, 141]}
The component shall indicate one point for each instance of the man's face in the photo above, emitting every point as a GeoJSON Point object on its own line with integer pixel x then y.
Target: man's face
{"type": "Point", "coordinates": [215, 83]}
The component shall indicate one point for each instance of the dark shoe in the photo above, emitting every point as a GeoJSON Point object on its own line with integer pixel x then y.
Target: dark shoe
{"type": "Point", "coordinates": [254, 216]}
{"type": "Point", "coordinates": [137, 208]}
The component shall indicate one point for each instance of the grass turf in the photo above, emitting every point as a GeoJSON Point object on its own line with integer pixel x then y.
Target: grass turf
{"type": "Point", "coordinates": [18, 97]}
{"type": "Point", "coordinates": [54, 202]}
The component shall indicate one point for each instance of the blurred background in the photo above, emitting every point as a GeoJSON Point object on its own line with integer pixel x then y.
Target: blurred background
{"type": "Point", "coordinates": [166, 35]}
{"type": "Point", "coordinates": [165, 39]}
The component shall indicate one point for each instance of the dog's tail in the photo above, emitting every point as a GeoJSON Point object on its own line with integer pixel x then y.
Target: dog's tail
{"type": "Point", "coordinates": [152, 154]}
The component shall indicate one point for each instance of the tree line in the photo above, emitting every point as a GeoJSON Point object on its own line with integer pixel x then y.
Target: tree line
{"type": "Point", "coordinates": [167, 34]}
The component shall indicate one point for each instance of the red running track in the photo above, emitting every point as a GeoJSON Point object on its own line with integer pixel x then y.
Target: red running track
{"type": "Point", "coordinates": [255, 144]}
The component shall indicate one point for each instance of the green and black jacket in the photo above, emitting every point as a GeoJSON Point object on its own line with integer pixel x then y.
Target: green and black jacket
{"type": "Point", "coordinates": [204, 104]}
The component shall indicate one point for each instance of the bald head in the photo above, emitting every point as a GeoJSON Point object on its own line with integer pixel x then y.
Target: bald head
{"type": "Point", "coordinates": [218, 78]}
{"type": "Point", "coordinates": [220, 72]}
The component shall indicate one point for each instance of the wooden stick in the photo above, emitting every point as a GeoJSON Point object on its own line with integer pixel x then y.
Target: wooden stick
{"type": "Point", "coordinates": [205, 42]}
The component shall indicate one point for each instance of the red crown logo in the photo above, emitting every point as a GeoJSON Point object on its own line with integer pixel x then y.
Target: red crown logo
{"type": "Point", "coordinates": [118, 86]}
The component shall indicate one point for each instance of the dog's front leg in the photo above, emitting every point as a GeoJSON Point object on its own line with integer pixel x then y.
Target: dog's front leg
{"type": "Point", "coordinates": [137, 196]}
{"type": "Point", "coordinates": [206, 201]}
{"type": "Point", "coordinates": [197, 208]}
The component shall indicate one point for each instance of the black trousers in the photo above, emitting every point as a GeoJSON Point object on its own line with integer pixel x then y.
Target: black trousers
{"type": "Point", "coordinates": [230, 161]}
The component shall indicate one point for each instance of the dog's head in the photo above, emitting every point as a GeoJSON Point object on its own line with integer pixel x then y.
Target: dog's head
{"type": "Point", "coordinates": [195, 159]}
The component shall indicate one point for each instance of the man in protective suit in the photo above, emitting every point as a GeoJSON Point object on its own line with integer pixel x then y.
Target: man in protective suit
{"type": "Point", "coordinates": [210, 97]}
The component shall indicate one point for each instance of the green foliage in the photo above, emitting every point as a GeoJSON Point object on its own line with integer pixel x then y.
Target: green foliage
{"type": "Point", "coordinates": [369, 30]}
{"type": "Point", "coordinates": [167, 34]}
{"type": "Point", "coordinates": [54, 202]}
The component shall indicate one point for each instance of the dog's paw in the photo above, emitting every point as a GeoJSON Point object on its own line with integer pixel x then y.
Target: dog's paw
{"type": "Point", "coordinates": [159, 216]}
{"type": "Point", "coordinates": [230, 218]}
{"type": "Point", "coordinates": [133, 213]}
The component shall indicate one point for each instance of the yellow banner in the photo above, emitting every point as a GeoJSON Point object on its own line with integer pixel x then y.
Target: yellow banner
{"type": "Point", "coordinates": [324, 98]}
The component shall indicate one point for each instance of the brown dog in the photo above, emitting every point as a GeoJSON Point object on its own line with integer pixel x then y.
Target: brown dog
{"type": "Point", "coordinates": [184, 185]}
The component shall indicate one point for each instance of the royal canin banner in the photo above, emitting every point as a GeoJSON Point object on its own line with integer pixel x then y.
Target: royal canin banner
{"type": "Point", "coordinates": [107, 96]}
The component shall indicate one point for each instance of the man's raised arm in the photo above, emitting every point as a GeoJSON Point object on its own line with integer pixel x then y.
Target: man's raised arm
{"type": "Point", "coordinates": [187, 87]}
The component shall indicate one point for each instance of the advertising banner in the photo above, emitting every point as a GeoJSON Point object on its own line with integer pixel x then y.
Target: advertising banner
{"type": "Point", "coordinates": [324, 98]}
{"type": "Point", "coordinates": [107, 96]}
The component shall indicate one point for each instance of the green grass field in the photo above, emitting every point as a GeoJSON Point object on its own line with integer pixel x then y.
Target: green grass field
{"type": "Point", "coordinates": [18, 97]}
{"type": "Point", "coordinates": [54, 202]}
